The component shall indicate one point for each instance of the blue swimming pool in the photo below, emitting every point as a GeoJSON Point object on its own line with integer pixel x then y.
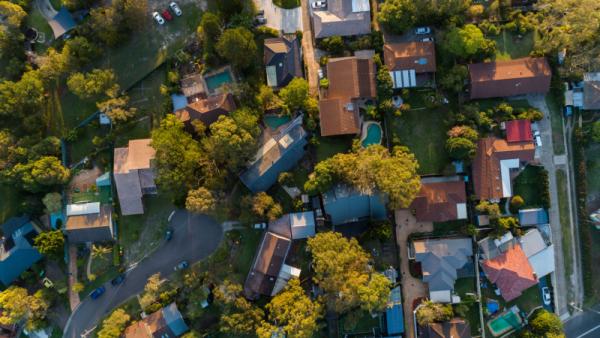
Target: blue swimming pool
{"type": "Point", "coordinates": [215, 81]}
{"type": "Point", "coordinates": [275, 121]}
{"type": "Point", "coordinates": [373, 135]}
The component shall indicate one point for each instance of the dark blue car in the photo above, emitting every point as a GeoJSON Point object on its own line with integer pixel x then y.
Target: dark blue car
{"type": "Point", "coordinates": [118, 280]}
{"type": "Point", "coordinates": [98, 292]}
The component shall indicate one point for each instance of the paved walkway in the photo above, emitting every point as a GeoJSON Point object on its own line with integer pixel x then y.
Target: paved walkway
{"type": "Point", "coordinates": [73, 296]}
{"type": "Point", "coordinates": [565, 287]}
{"type": "Point", "coordinates": [412, 288]}
{"type": "Point", "coordinates": [308, 49]}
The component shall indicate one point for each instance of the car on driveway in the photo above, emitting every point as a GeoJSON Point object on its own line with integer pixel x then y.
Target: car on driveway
{"type": "Point", "coordinates": [546, 296]}
{"type": "Point", "coordinates": [175, 8]}
{"type": "Point", "coordinates": [97, 293]}
{"type": "Point", "coordinates": [117, 280]}
{"type": "Point", "coordinates": [427, 39]}
{"type": "Point", "coordinates": [158, 18]}
{"type": "Point", "coordinates": [318, 4]}
{"type": "Point", "coordinates": [422, 30]}
{"type": "Point", "coordinates": [182, 265]}
{"type": "Point", "coordinates": [167, 15]}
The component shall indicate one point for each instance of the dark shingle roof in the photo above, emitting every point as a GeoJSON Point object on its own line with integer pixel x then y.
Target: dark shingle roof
{"type": "Point", "coordinates": [282, 59]}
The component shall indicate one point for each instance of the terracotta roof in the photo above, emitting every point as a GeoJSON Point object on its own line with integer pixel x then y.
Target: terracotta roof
{"type": "Point", "coordinates": [419, 56]}
{"type": "Point", "coordinates": [350, 78]}
{"type": "Point", "coordinates": [455, 328]}
{"type": "Point", "coordinates": [511, 272]}
{"type": "Point", "coordinates": [207, 110]}
{"type": "Point", "coordinates": [487, 177]}
{"type": "Point", "coordinates": [133, 173]}
{"type": "Point", "coordinates": [269, 258]}
{"type": "Point", "coordinates": [509, 78]}
{"type": "Point", "coordinates": [137, 155]}
{"type": "Point", "coordinates": [437, 201]}
{"type": "Point", "coordinates": [518, 131]}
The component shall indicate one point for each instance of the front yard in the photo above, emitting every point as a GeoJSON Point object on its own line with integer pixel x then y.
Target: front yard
{"type": "Point", "coordinates": [532, 185]}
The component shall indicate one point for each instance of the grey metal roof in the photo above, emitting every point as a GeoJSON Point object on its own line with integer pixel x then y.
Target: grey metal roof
{"type": "Point", "coordinates": [342, 19]}
{"type": "Point", "coordinates": [441, 258]}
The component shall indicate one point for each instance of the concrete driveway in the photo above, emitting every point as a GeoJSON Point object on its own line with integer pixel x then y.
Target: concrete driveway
{"type": "Point", "coordinates": [194, 238]}
{"type": "Point", "coordinates": [287, 20]}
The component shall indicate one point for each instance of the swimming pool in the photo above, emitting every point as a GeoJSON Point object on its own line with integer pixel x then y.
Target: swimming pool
{"type": "Point", "coordinates": [215, 81]}
{"type": "Point", "coordinates": [276, 121]}
{"type": "Point", "coordinates": [505, 322]}
{"type": "Point", "coordinates": [373, 134]}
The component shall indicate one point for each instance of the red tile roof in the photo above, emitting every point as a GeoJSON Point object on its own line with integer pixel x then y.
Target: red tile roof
{"type": "Point", "coordinates": [509, 78]}
{"type": "Point", "coordinates": [511, 272]}
{"type": "Point", "coordinates": [436, 201]}
{"type": "Point", "coordinates": [518, 131]}
{"type": "Point", "coordinates": [207, 110]}
{"type": "Point", "coordinates": [486, 165]}
{"type": "Point", "coordinates": [408, 55]}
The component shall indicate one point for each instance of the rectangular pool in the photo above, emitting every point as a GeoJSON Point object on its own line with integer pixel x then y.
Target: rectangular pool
{"type": "Point", "coordinates": [215, 81]}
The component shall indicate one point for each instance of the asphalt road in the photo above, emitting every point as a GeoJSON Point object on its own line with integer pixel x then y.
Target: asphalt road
{"type": "Point", "coordinates": [584, 324]}
{"type": "Point", "coordinates": [194, 238]}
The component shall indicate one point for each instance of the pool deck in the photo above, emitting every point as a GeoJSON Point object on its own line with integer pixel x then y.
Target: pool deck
{"type": "Point", "coordinates": [218, 90]}
{"type": "Point", "coordinates": [365, 132]}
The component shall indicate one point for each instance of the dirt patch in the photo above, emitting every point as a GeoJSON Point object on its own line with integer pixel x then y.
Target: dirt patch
{"type": "Point", "coordinates": [85, 179]}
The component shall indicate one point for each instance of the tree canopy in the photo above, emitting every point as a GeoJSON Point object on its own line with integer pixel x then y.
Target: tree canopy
{"type": "Point", "coordinates": [17, 305]}
{"type": "Point", "coordinates": [237, 46]}
{"type": "Point", "coordinates": [200, 200]}
{"type": "Point", "coordinates": [50, 243]}
{"type": "Point", "coordinates": [370, 169]}
{"type": "Point", "coordinates": [467, 41]}
{"type": "Point", "coordinates": [114, 325]}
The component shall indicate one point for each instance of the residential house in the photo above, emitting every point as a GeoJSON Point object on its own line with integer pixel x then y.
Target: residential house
{"type": "Point", "coordinates": [506, 264]}
{"type": "Point", "coordinates": [591, 91]}
{"type": "Point", "coordinates": [351, 82]}
{"type": "Point", "coordinates": [509, 78]}
{"type": "Point", "coordinates": [539, 253]}
{"type": "Point", "coordinates": [440, 199]}
{"type": "Point", "coordinates": [193, 86]}
{"type": "Point", "coordinates": [344, 204]}
{"type": "Point", "coordinates": [17, 253]}
{"type": "Point", "coordinates": [411, 64]}
{"type": "Point", "coordinates": [497, 162]}
{"type": "Point", "coordinates": [518, 131]}
{"type": "Point", "coordinates": [283, 60]}
{"type": "Point", "coordinates": [61, 23]}
{"type": "Point", "coordinates": [342, 18]}
{"type": "Point", "coordinates": [89, 222]}
{"type": "Point", "coordinates": [442, 262]}
{"type": "Point", "coordinates": [134, 175]}
{"type": "Point", "coordinates": [279, 153]}
{"type": "Point", "coordinates": [207, 110]}
{"type": "Point", "coordinates": [164, 323]}
{"type": "Point", "coordinates": [297, 225]}
{"type": "Point", "coordinates": [394, 316]}
{"type": "Point", "coordinates": [454, 328]}
{"type": "Point", "coordinates": [267, 266]}
{"type": "Point", "coordinates": [535, 216]}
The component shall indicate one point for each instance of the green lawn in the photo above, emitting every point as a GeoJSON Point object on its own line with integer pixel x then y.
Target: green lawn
{"type": "Point", "coordinates": [465, 285]}
{"type": "Point", "coordinates": [593, 168]}
{"type": "Point", "coordinates": [329, 146]}
{"type": "Point", "coordinates": [287, 3]}
{"type": "Point", "coordinates": [563, 208]}
{"type": "Point", "coordinates": [424, 132]}
{"type": "Point", "coordinates": [462, 287]}
{"type": "Point", "coordinates": [509, 46]}
{"type": "Point", "coordinates": [358, 322]}
{"type": "Point", "coordinates": [530, 185]}
{"type": "Point", "coordinates": [141, 234]}
{"type": "Point", "coordinates": [557, 124]}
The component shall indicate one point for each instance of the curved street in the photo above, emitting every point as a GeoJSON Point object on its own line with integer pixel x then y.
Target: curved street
{"type": "Point", "coordinates": [194, 238]}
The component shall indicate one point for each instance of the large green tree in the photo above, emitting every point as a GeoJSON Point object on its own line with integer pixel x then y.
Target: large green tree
{"type": "Point", "coordinates": [341, 268]}
{"type": "Point", "coordinates": [431, 312]}
{"type": "Point", "coordinates": [18, 306]}
{"type": "Point", "coordinates": [398, 15]}
{"type": "Point", "coordinates": [466, 41]}
{"type": "Point", "coordinates": [238, 47]}
{"type": "Point", "coordinates": [94, 83]}
{"type": "Point", "coordinates": [369, 169]}
{"type": "Point", "coordinates": [114, 325]}
{"type": "Point", "coordinates": [200, 200]}
{"type": "Point", "coordinates": [546, 324]}
{"type": "Point", "coordinates": [295, 96]}
{"type": "Point", "coordinates": [21, 98]}
{"type": "Point", "coordinates": [43, 173]}
{"type": "Point", "coordinates": [239, 316]}
{"type": "Point", "coordinates": [50, 243]}
{"type": "Point", "coordinates": [462, 142]}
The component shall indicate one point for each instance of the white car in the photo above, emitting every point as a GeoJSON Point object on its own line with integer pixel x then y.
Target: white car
{"type": "Point", "coordinates": [318, 4]}
{"type": "Point", "coordinates": [422, 30]}
{"type": "Point", "coordinates": [538, 141]}
{"type": "Point", "coordinates": [428, 39]}
{"type": "Point", "coordinates": [320, 73]}
{"type": "Point", "coordinates": [158, 18]}
{"type": "Point", "coordinates": [260, 226]}
{"type": "Point", "coordinates": [175, 8]}
{"type": "Point", "coordinates": [546, 295]}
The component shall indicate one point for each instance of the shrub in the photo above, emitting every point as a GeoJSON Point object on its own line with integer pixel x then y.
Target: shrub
{"type": "Point", "coordinates": [324, 83]}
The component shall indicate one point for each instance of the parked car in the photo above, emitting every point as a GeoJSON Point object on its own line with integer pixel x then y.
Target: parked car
{"type": "Point", "coordinates": [175, 8]}
{"type": "Point", "coordinates": [422, 30]}
{"type": "Point", "coordinates": [546, 296]}
{"type": "Point", "coordinates": [320, 73]}
{"type": "Point", "coordinates": [182, 265]}
{"type": "Point", "coordinates": [260, 225]}
{"type": "Point", "coordinates": [117, 280]}
{"type": "Point", "coordinates": [260, 20]}
{"type": "Point", "coordinates": [427, 39]}
{"type": "Point", "coordinates": [167, 15]}
{"type": "Point", "coordinates": [538, 141]}
{"type": "Point", "coordinates": [318, 4]}
{"type": "Point", "coordinates": [169, 234]}
{"type": "Point", "coordinates": [97, 293]}
{"type": "Point", "coordinates": [158, 18]}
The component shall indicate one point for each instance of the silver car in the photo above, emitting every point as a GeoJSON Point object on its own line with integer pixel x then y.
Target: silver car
{"type": "Point", "coordinates": [175, 8]}
{"type": "Point", "coordinates": [158, 18]}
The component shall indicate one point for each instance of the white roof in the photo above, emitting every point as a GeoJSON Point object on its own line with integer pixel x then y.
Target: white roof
{"type": "Point", "coordinates": [404, 78]}
{"type": "Point", "coordinates": [505, 238]}
{"type": "Point", "coordinates": [83, 209]}
{"type": "Point", "coordinates": [271, 76]}
{"type": "Point", "coordinates": [505, 167]}
{"type": "Point", "coordinates": [461, 210]}
{"type": "Point", "coordinates": [288, 271]}
{"type": "Point", "coordinates": [542, 263]}
{"type": "Point", "coordinates": [443, 296]}
{"type": "Point", "coordinates": [360, 6]}
{"type": "Point", "coordinates": [301, 219]}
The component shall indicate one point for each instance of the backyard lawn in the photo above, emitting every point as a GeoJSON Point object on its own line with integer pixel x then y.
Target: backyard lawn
{"type": "Point", "coordinates": [141, 234]}
{"type": "Point", "coordinates": [358, 323]}
{"type": "Point", "coordinates": [462, 287]}
{"type": "Point", "coordinates": [509, 46]}
{"type": "Point", "coordinates": [531, 186]}
{"type": "Point", "coordinates": [424, 132]}
{"type": "Point", "coordinates": [329, 146]}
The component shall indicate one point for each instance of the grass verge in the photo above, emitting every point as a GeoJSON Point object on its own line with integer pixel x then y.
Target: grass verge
{"type": "Point", "coordinates": [565, 228]}
{"type": "Point", "coordinates": [558, 142]}
{"type": "Point", "coordinates": [287, 4]}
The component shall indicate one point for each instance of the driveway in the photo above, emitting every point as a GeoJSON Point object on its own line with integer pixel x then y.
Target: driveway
{"type": "Point", "coordinates": [311, 60]}
{"type": "Point", "coordinates": [412, 288]}
{"type": "Point", "coordinates": [287, 20]}
{"type": "Point", "coordinates": [194, 238]}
